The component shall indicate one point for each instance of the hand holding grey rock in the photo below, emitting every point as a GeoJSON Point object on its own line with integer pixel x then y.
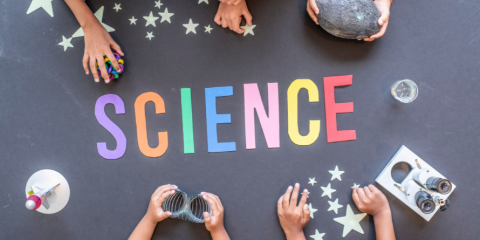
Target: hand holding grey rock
{"type": "Point", "coordinates": [349, 19]}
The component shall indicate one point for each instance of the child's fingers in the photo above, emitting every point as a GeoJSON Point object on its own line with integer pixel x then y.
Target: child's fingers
{"type": "Point", "coordinates": [367, 192]}
{"type": "Point", "coordinates": [280, 204]}
{"type": "Point", "coordinates": [164, 215]}
{"type": "Point", "coordinates": [314, 6]}
{"type": "Point", "coordinates": [236, 25]}
{"type": "Point", "coordinates": [218, 19]}
{"type": "Point", "coordinates": [216, 199]}
{"type": "Point", "coordinates": [207, 217]}
{"type": "Point", "coordinates": [373, 189]}
{"type": "Point", "coordinates": [303, 200]}
{"type": "Point", "coordinates": [155, 194]}
{"type": "Point", "coordinates": [85, 63]}
{"type": "Point", "coordinates": [224, 23]}
{"type": "Point", "coordinates": [103, 69]}
{"type": "Point", "coordinates": [384, 18]}
{"type": "Point", "coordinates": [117, 48]}
{"type": "Point", "coordinates": [306, 213]}
{"type": "Point", "coordinates": [355, 196]}
{"type": "Point", "coordinates": [93, 68]}
{"type": "Point", "coordinates": [286, 198]}
{"type": "Point", "coordinates": [163, 189]}
{"type": "Point", "coordinates": [381, 32]}
{"type": "Point", "coordinates": [230, 24]}
{"type": "Point", "coordinates": [293, 200]}
{"type": "Point", "coordinates": [113, 60]}
{"type": "Point", "coordinates": [213, 203]}
{"type": "Point", "coordinates": [361, 194]}
{"type": "Point", "coordinates": [248, 17]}
{"type": "Point", "coordinates": [312, 15]}
{"type": "Point", "coordinates": [163, 196]}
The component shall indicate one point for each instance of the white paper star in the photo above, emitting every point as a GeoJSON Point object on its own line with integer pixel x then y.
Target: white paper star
{"type": "Point", "coordinates": [191, 26]}
{"type": "Point", "coordinates": [200, 1]}
{"type": "Point", "coordinates": [351, 221]}
{"type": "Point", "coordinates": [208, 29]}
{"type": "Point", "coordinates": [117, 7]}
{"type": "Point", "coordinates": [133, 20]}
{"type": "Point", "coordinates": [166, 16]}
{"type": "Point", "coordinates": [334, 206]}
{"type": "Point", "coordinates": [45, 4]}
{"type": "Point", "coordinates": [317, 236]}
{"type": "Point", "coordinates": [312, 181]}
{"type": "Point", "coordinates": [312, 210]}
{"type": "Point", "coordinates": [66, 43]}
{"type": "Point", "coordinates": [158, 4]}
{"type": "Point", "coordinates": [248, 29]}
{"type": "Point", "coordinates": [356, 185]}
{"type": "Point", "coordinates": [327, 191]}
{"type": "Point", "coordinates": [151, 19]}
{"type": "Point", "coordinates": [336, 174]}
{"type": "Point", "coordinates": [99, 16]}
{"type": "Point", "coordinates": [308, 194]}
{"type": "Point", "coordinates": [149, 35]}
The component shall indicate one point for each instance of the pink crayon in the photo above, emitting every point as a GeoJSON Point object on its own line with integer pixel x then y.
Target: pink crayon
{"type": "Point", "coordinates": [36, 200]}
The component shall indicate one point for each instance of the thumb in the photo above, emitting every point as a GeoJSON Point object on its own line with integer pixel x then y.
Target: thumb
{"type": "Point", "coordinates": [207, 218]}
{"type": "Point", "coordinates": [306, 213]}
{"type": "Point", "coordinates": [314, 6]}
{"type": "Point", "coordinates": [165, 215]}
{"type": "Point", "coordinates": [383, 19]}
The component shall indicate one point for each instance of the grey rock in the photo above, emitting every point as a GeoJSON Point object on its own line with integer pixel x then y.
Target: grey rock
{"type": "Point", "coordinates": [350, 19]}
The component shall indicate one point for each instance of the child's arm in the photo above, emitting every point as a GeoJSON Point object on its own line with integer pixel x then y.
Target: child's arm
{"type": "Point", "coordinates": [370, 200]}
{"type": "Point", "coordinates": [293, 218]}
{"type": "Point", "coordinates": [214, 223]}
{"type": "Point", "coordinates": [231, 15]}
{"type": "Point", "coordinates": [97, 40]}
{"type": "Point", "coordinates": [155, 213]}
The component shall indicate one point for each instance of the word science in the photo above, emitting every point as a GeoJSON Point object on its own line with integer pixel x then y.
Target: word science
{"type": "Point", "coordinates": [270, 122]}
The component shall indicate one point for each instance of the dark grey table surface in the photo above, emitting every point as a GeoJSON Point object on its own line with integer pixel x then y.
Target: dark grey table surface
{"type": "Point", "coordinates": [47, 116]}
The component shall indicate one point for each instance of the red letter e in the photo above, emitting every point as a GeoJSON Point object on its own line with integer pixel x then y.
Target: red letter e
{"type": "Point", "coordinates": [332, 108]}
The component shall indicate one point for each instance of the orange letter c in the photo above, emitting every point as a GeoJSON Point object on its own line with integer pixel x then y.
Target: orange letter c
{"type": "Point", "coordinates": [142, 125]}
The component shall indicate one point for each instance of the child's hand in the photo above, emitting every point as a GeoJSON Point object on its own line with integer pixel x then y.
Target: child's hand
{"type": "Point", "coordinates": [231, 2]}
{"type": "Point", "coordinates": [214, 223]}
{"type": "Point", "coordinates": [97, 44]}
{"type": "Point", "coordinates": [370, 200]}
{"type": "Point", "coordinates": [312, 10]}
{"type": "Point", "coordinates": [293, 218]}
{"type": "Point", "coordinates": [230, 16]}
{"type": "Point", "coordinates": [155, 212]}
{"type": "Point", "coordinates": [384, 9]}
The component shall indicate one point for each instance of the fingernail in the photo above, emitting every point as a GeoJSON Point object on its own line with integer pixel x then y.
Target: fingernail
{"type": "Point", "coordinates": [172, 191]}
{"type": "Point", "coordinates": [297, 185]}
{"type": "Point", "coordinates": [289, 187]}
{"type": "Point", "coordinates": [86, 73]}
{"type": "Point", "coordinates": [175, 186]}
{"type": "Point", "coordinates": [107, 81]}
{"type": "Point", "coordinates": [97, 80]}
{"type": "Point", "coordinates": [204, 196]}
{"type": "Point", "coordinates": [305, 190]}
